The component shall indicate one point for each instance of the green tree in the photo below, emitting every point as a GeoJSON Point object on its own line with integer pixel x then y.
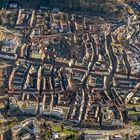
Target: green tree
{"type": "Point", "coordinates": [62, 127]}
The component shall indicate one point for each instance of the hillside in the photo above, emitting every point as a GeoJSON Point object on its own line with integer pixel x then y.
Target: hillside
{"type": "Point", "coordinates": [107, 7]}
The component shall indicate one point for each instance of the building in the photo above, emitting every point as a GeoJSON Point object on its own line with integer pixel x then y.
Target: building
{"type": "Point", "coordinates": [4, 102]}
{"type": "Point", "coordinates": [96, 137]}
{"type": "Point", "coordinates": [117, 137]}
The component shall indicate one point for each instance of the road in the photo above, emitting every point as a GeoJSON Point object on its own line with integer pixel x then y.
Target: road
{"type": "Point", "coordinates": [128, 130]}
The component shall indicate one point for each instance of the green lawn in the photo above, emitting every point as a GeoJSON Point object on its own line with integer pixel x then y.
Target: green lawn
{"type": "Point", "coordinates": [66, 131]}
{"type": "Point", "coordinates": [135, 123]}
{"type": "Point", "coordinates": [69, 131]}
{"type": "Point", "coordinates": [56, 128]}
{"type": "Point", "coordinates": [13, 123]}
{"type": "Point", "coordinates": [131, 105]}
{"type": "Point", "coordinates": [37, 56]}
{"type": "Point", "coordinates": [10, 125]}
{"type": "Point", "coordinates": [1, 85]}
{"type": "Point", "coordinates": [133, 113]}
{"type": "Point", "coordinates": [24, 106]}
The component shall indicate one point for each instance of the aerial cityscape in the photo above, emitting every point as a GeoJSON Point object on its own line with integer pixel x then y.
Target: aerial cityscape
{"type": "Point", "coordinates": [69, 69]}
